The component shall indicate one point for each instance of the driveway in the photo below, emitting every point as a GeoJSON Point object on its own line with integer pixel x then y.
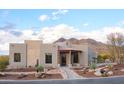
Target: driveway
{"type": "Point", "coordinates": [112, 80]}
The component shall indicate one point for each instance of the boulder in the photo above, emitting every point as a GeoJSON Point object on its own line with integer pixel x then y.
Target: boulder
{"type": "Point", "coordinates": [82, 70]}
{"type": "Point", "coordinates": [38, 75]}
{"type": "Point", "coordinates": [91, 70]}
{"type": "Point", "coordinates": [2, 74]}
{"type": "Point", "coordinates": [98, 69]}
{"type": "Point", "coordinates": [110, 73]}
{"type": "Point", "coordinates": [21, 75]}
{"type": "Point", "coordinates": [106, 66]}
{"type": "Point", "coordinates": [106, 69]}
{"type": "Point", "coordinates": [97, 73]}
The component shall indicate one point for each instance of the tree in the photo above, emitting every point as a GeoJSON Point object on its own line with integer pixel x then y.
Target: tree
{"type": "Point", "coordinates": [115, 43]}
{"type": "Point", "coordinates": [102, 57]}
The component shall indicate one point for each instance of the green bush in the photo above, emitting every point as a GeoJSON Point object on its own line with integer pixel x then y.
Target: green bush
{"type": "Point", "coordinates": [3, 66]}
{"type": "Point", "coordinates": [4, 61]}
{"type": "Point", "coordinates": [40, 68]}
{"type": "Point", "coordinates": [110, 66]}
{"type": "Point", "coordinates": [93, 66]}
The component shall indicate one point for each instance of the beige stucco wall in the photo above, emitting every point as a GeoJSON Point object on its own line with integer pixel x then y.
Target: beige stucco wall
{"type": "Point", "coordinates": [17, 48]}
{"type": "Point", "coordinates": [83, 55]}
{"type": "Point", "coordinates": [49, 48]}
{"type": "Point", "coordinates": [33, 51]}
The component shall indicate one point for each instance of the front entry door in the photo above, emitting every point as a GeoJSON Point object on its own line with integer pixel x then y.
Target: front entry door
{"type": "Point", "coordinates": [63, 59]}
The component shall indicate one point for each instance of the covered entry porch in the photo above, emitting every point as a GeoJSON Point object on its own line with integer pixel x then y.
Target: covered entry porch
{"type": "Point", "coordinates": [69, 57]}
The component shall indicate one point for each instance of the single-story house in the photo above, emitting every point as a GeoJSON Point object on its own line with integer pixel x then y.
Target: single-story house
{"type": "Point", "coordinates": [34, 52]}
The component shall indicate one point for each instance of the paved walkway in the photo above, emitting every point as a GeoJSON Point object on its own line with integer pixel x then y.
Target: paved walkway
{"type": "Point", "coordinates": [69, 74]}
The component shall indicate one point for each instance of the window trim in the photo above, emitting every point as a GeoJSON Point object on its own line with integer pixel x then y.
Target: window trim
{"type": "Point", "coordinates": [49, 59]}
{"type": "Point", "coordinates": [18, 59]}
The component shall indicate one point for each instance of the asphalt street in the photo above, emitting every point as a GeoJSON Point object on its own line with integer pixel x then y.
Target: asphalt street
{"type": "Point", "coordinates": [112, 80]}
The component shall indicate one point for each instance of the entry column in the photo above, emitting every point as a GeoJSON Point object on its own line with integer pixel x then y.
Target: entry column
{"type": "Point", "coordinates": [79, 58]}
{"type": "Point", "coordinates": [69, 59]}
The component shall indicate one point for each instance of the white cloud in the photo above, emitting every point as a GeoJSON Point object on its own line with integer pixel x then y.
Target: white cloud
{"type": "Point", "coordinates": [66, 31]}
{"type": "Point", "coordinates": [58, 13]}
{"type": "Point", "coordinates": [50, 34]}
{"type": "Point", "coordinates": [8, 37]}
{"type": "Point", "coordinates": [54, 15]}
{"type": "Point", "coordinates": [44, 17]}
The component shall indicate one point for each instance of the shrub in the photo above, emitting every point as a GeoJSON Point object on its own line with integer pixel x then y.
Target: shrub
{"type": "Point", "coordinates": [93, 66]}
{"type": "Point", "coordinates": [4, 61]}
{"type": "Point", "coordinates": [3, 66]}
{"type": "Point", "coordinates": [110, 66]}
{"type": "Point", "coordinates": [40, 68]}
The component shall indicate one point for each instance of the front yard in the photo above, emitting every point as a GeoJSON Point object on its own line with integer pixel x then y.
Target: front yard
{"type": "Point", "coordinates": [56, 73]}
{"type": "Point", "coordinates": [115, 70]}
{"type": "Point", "coordinates": [30, 74]}
{"type": "Point", "coordinates": [30, 77]}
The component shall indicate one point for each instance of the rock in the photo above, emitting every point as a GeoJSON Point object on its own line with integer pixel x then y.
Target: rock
{"type": "Point", "coordinates": [122, 70]}
{"type": "Point", "coordinates": [2, 74]}
{"type": "Point", "coordinates": [106, 69]}
{"type": "Point", "coordinates": [85, 69]}
{"type": "Point", "coordinates": [82, 70]}
{"type": "Point", "coordinates": [98, 69]}
{"type": "Point", "coordinates": [38, 75]}
{"type": "Point", "coordinates": [106, 66]}
{"type": "Point", "coordinates": [97, 73]}
{"type": "Point", "coordinates": [110, 73]}
{"type": "Point", "coordinates": [21, 75]}
{"type": "Point", "coordinates": [43, 76]}
{"type": "Point", "coordinates": [91, 70]}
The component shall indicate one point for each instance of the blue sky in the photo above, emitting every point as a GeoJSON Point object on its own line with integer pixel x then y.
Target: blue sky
{"type": "Point", "coordinates": [24, 19]}
{"type": "Point", "coordinates": [18, 25]}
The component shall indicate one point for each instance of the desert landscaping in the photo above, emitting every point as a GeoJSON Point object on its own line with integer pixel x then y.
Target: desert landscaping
{"type": "Point", "coordinates": [30, 74]}
{"type": "Point", "coordinates": [101, 71]}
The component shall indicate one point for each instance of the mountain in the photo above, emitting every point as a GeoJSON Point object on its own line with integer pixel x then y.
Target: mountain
{"type": "Point", "coordinates": [93, 44]}
{"type": "Point", "coordinates": [73, 40]}
{"type": "Point", "coordinates": [60, 40]}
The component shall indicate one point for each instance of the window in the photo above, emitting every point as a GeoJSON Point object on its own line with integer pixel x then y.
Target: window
{"type": "Point", "coordinates": [48, 58]}
{"type": "Point", "coordinates": [17, 57]}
